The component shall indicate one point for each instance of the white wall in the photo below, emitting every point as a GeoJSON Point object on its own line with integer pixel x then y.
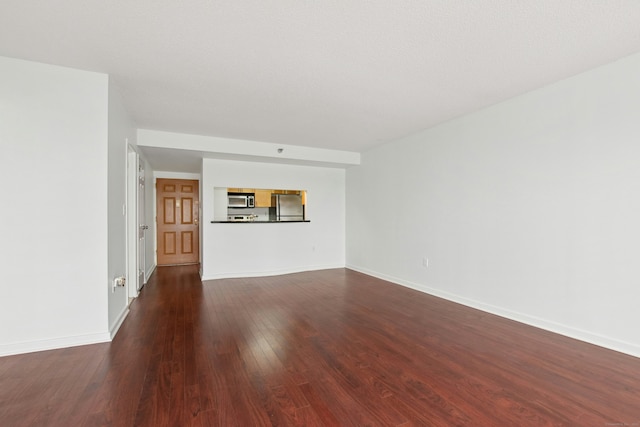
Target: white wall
{"type": "Point", "coordinates": [53, 226]}
{"type": "Point", "coordinates": [121, 133]}
{"type": "Point", "coordinates": [528, 209]}
{"type": "Point", "coordinates": [235, 250]}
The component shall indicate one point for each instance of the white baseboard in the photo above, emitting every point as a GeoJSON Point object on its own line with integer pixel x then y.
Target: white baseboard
{"type": "Point", "coordinates": [116, 325]}
{"type": "Point", "coordinates": [149, 272]}
{"type": "Point", "coordinates": [53, 344]}
{"type": "Point", "coordinates": [266, 273]}
{"type": "Point", "coordinates": [548, 325]}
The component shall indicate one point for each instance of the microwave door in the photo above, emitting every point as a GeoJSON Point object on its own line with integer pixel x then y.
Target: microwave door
{"type": "Point", "coordinates": [237, 202]}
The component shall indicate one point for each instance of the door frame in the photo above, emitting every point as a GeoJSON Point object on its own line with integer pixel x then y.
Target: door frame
{"type": "Point", "coordinates": [133, 246]}
{"type": "Point", "coordinates": [174, 175]}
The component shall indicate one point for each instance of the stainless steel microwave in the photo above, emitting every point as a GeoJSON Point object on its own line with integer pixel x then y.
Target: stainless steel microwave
{"type": "Point", "coordinates": [241, 200]}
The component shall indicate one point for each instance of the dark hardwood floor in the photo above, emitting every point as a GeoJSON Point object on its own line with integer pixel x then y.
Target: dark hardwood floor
{"type": "Point", "coordinates": [333, 348]}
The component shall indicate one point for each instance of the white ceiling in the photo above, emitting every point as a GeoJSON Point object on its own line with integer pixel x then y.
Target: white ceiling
{"type": "Point", "coordinates": [335, 74]}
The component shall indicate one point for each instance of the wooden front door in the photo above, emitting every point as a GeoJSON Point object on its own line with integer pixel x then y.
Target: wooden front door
{"type": "Point", "coordinates": [177, 220]}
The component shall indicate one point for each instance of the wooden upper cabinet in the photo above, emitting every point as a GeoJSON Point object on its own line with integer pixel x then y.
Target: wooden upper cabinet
{"type": "Point", "coordinates": [240, 190]}
{"type": "Point", "coordinates": [263, 198]}
{"type": "Point", "coordinates": [286, 192]}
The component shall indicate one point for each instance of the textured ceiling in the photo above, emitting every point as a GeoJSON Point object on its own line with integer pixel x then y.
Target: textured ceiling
{"type": "Point", "coordinates": [338, 74]}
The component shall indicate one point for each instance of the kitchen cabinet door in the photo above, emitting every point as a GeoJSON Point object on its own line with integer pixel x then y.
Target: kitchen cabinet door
{"type": "Point", "coordinates": [263, 198]}
{"type": "Point", "coordinates": [240, 190]}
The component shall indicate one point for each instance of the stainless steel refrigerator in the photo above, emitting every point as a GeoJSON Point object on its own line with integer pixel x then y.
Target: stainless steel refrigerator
{"type": "Point", "coordinates": [286, 207]}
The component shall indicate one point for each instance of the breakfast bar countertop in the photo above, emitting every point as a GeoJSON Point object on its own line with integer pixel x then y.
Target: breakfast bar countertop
{"type": "Point", "coordinates": [256, 222]}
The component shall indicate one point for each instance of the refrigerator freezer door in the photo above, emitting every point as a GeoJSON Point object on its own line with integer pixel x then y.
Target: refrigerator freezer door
{"type": "Point", "coordinates": [289, 207]}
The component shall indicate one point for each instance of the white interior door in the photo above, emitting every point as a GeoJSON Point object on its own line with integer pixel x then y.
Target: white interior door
{"type": "Point", "coordinates": [132, 223]}
{"type": "Point", "coordinates": [136, 227]}
{"type": "Point", "coordinates": [142, 227]}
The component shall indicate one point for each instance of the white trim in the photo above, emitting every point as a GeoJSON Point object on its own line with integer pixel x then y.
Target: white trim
{"type": "Point", "coordinates": [132, 221]}
{"type": "Point", "coordinates": [116, 325]}
{"type": "Point", "coordinates": [53, 344]}
{"type": "Point", "coordinates": [176, 175]}
{"type": "Point", "coordinates": [568, 331]}
{"type": "Point", "coordinates": [236, 275]}
{"type": "Point", "coordinates": [149, 272]}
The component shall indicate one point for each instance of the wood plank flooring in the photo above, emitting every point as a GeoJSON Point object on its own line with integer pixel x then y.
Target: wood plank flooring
{"type": "Point", "coordinates": [325, 348]}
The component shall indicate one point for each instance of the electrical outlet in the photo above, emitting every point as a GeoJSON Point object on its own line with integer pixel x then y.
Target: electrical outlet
{"type": "Point", "coordinates": [425, 262]}
{"type": "Point", "coordinates": [120, 281]}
